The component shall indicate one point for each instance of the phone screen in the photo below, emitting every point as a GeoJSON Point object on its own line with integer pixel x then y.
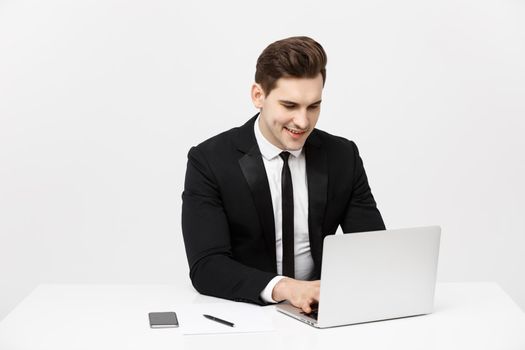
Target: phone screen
{"type": "Point", "coordinates": [163, 319]}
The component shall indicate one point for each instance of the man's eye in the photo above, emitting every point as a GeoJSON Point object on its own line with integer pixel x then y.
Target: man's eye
{"type": "Point", "coordinates": [289, 106]}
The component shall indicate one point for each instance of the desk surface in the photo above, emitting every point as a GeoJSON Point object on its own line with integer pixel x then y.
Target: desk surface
{"type": "Point", "coordinates": [467, 316]}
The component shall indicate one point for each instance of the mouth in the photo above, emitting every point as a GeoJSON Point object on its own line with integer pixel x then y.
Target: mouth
{"type": "Point", "coordinates": [295, 133]}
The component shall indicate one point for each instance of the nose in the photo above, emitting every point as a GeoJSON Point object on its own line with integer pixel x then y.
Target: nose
{"type": "Point", "coordinates": [301, 119]}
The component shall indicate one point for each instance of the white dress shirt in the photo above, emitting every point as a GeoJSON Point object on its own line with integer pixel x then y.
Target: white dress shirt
{"type": "Point", "coordinates": [273, 164]}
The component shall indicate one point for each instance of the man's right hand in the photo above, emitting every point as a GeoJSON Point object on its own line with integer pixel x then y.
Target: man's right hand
{"type": "Point", "coordinates": [301, 294]}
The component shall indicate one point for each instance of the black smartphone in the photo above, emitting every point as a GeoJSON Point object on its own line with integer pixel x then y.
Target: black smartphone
{"type": "Point", "coordinates": [163, 320]}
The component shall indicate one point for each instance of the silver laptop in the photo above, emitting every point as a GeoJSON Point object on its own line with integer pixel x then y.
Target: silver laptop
{"type": "Point", "coordinates": [372, 276]}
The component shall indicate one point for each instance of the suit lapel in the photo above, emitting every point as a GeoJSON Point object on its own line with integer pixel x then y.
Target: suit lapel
{"type": "Point", "coordinates": [252, 167]}
{"type": "Point", "coordinates": [317, 177]}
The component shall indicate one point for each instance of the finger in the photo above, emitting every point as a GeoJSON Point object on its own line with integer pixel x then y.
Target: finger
{"type": "Point", "coordinates": [306, 308]}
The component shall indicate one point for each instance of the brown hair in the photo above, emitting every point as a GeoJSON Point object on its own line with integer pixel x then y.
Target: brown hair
{"type": "Point", "coordinates": [299, 57]}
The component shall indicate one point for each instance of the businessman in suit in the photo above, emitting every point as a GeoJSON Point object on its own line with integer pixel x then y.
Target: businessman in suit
{"type": "Point", "coordinates": [259, 199]}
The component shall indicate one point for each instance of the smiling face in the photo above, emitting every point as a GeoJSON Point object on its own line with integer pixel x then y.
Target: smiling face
{"type": "Point", "coordinates": [290, 111]}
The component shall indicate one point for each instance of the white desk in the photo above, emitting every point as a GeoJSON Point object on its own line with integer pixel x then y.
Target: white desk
{"type": "Point", "coordinates": [467, 316]}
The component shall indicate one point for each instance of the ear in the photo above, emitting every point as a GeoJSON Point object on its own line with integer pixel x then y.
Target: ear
{"type": "Point", "coordinates": [257, 95]}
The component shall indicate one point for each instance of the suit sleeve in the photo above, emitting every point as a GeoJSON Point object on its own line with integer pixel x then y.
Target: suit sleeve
{"type": "Point", "coordinates": [361, 212]}
{"type": "Point", "coordinates": [213, 271]}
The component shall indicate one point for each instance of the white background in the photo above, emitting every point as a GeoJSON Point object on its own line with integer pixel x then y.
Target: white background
{"type": "Point", "coordinates": [101, 100]}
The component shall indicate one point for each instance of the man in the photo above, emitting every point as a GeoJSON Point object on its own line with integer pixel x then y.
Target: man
{"type": "Point", "coordinates": [259, 199]}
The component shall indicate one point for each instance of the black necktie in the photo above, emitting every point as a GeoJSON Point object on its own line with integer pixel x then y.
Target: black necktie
{"type": "Point", "coordinates": [287, 208]}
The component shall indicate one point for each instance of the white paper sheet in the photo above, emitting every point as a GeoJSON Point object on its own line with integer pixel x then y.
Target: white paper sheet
{"type": "Point", "coordinates": [246, 317]}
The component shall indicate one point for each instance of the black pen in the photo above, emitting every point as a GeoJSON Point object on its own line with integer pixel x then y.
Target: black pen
{"type": "Point", "coordinates": [216, 319]}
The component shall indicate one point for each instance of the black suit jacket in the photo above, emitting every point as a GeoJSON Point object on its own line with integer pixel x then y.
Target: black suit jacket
{"type": "Point", "coordinates": [227, 215]}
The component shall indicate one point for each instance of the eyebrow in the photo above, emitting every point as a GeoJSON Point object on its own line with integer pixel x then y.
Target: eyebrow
{"type": "Point", "coordinates": [295, 103]}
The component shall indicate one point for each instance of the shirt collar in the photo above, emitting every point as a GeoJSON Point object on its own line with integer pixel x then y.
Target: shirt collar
{"type": "Point", "coordinates": [268, 150]}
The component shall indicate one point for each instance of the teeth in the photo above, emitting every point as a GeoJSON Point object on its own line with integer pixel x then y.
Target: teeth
{"type": "Point", "coordinates": [294, 131]}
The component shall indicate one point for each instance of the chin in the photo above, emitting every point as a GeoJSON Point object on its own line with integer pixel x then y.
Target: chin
{"type": "Point", "coordinates": [294, 146]}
